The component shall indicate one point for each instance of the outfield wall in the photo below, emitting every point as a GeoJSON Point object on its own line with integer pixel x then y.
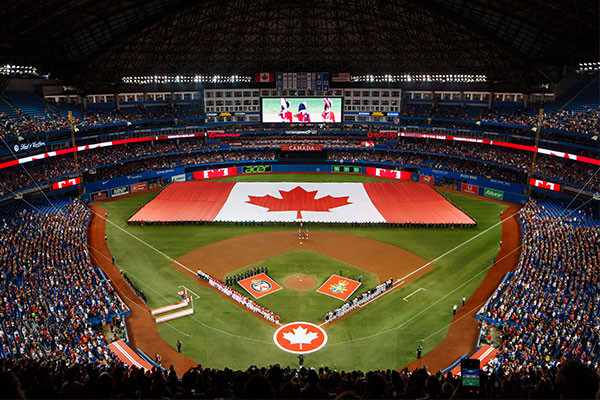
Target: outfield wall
{"type": "Point", "coordinates": [473, 184]}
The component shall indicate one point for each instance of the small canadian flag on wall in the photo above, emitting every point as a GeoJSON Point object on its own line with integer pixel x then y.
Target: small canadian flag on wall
{"type": "Point", "coordinates": [264, 77]}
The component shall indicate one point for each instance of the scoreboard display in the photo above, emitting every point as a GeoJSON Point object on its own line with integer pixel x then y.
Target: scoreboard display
{"type": "Point", "coordinates": [296, 110]}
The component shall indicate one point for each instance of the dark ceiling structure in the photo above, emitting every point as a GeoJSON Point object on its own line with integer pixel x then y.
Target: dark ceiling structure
{"type": "Point", "coordinates": [92, 43]}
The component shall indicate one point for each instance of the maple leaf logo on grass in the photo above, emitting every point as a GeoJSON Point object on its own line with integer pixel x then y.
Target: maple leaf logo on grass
{"type": "Point", "coordinates": [300, 336]}
{"type": "Point", "coordinates": [298, 200]}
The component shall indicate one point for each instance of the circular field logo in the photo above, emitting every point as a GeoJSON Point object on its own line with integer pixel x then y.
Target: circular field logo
{"type": "Point", "coordinates": [300, 338]}
{"type": "Point", "coordinates": [260, 286]}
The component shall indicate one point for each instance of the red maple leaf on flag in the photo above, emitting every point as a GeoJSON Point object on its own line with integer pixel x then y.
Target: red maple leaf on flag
{"type": "Point", "coordinates": [298, 200]}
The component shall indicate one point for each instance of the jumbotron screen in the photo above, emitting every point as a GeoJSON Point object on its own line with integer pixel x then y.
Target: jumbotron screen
{"type": "Point", "coordinates": [302, 109]}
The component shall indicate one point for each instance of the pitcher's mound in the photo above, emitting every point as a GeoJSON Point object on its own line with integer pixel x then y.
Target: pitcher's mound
{"type": "Point", "coordinates": [300, 282]}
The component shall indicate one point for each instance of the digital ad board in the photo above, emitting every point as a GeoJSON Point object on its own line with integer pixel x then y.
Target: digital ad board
{"type": "Point", "coordinates": [302, 109]}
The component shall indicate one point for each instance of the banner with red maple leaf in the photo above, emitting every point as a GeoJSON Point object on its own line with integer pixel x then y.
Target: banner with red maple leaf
{"type": "Point", "coordinates": [372, 202]}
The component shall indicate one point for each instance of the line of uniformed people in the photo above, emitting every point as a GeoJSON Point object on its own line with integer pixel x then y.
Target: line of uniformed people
{"type": "Point", "coordinates": [231, 280]}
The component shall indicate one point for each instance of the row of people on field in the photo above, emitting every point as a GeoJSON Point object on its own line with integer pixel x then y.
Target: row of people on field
{"type": "Point", "coordinates": [240, 298]}
{"type": "Point", "coordinates": [358, 301]}
{"type": "Point", "coordinates": [232, 280]}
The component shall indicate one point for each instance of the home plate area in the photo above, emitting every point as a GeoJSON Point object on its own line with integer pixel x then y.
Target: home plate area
{"type": "Point", "coordinates": [339, 287]}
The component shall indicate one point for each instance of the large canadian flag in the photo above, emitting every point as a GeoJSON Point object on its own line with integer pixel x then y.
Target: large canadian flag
{"type": "Point", "coordinates": [264, 77]}
{"type": "Point", "coordinates": [398, 202]}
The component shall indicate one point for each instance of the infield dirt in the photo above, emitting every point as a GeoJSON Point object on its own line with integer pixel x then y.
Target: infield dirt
{"type": "Point", "coordinates": [300, 282]}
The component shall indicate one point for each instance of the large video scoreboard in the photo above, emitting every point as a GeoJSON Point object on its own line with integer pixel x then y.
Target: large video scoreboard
{"type": "Point", "coordinates": [302, 109]}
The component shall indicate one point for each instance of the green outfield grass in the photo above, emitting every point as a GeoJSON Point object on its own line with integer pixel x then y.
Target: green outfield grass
{"type": "Point", "coordinates": [309, 305]}
{"type": "Point", "coordinates": [384, 334]}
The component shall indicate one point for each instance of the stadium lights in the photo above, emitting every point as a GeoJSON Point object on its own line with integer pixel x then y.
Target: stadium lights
{"type": "Point", "coordinates": [588, 67]}
{"type": "Point", "coordinates": [165, 79]}
{"type": "Point", "coordinates": [9, 69]}
{"type": "Point", "coordinates": [462, 78]}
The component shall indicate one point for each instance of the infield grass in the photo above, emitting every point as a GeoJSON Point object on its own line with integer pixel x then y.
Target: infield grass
{"type": "Point", "coordinates": [384, 334]}
{"type": "Point", "coordinates": [309, 305]}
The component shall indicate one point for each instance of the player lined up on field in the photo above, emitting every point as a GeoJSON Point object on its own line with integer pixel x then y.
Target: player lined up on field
{"type": "Point", "coordinates": [232, 280]}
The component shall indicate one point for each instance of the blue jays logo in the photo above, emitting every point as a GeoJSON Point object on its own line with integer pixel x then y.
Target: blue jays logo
{"type": "Point", "coordinates": [260, 286]}
{"type": "Point", "coordinates": [339, 287]}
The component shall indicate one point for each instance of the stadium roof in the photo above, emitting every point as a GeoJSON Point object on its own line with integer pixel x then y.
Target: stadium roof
{"type": "Point", "coordinates": [94, 42]}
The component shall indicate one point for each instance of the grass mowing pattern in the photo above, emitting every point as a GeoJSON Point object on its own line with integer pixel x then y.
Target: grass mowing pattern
{"type": "Point", "coordinates": [384, 334]}
{"type": "Point", "coordinates": [309, 305]}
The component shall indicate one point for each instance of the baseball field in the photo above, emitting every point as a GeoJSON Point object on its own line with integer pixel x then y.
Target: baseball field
{"type": "Point", "coordinates": [437, 265]}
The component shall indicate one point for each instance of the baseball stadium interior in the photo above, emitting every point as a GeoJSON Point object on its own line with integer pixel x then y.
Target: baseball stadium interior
{"type": "Point", "coordinates": [182, 180]}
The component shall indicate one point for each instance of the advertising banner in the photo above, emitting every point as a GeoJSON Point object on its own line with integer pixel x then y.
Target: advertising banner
{"type": "Point", "coordinates": [119, 191]}
{"type": "Point", "coordinates": [133, 178]}
{"type": "Point", "coordinates": [256, 169]}
{"type": "Point", "coordinates": [427, 179]}
{"type": "Point", "coordinates": [465, 187]}
{"type": "Point", "coordinates": [544, 184]}
{"type": "Point", "coordinates": [215, 173]}
{"type": "Point", "coordinates": [493, 193]}
{"type": "Point", "coordinates": [178, 178]}
{"type": "Point", "coordinates": [346, 169]}
{"type": "Point", "coordinates": [139, 187]}
{"type": "Point", "coordinates": [100, 195]}
{"type": "Point", "coordinates": [28, 146]}
{"type": "Point", "coordinates": [388, 173]}
{"type": "Point", "coordinates": [66, 183]}
{"type": "Point", "coordinates": [301, 147]}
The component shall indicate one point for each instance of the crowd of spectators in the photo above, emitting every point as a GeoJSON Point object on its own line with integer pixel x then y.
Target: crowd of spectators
{"type": "Point", "coordinates": [26, 125]}
{"type": "Point", "coordinates": [505, 164]}
{"type": "Point", "coordinates": [32, 379]}
{"type": "Point", "coordinates": [586, 121]}
{"type": "Point", "coordinates": [548, 310]}
{"type": "Point", "coordinates": [52, 297]}
{"type": "Point", "coordinates": [433, 161]}
{"type": "Point", "coordinates": [96, 164]}
{"type": "Point", "coordinates": [240, 298]}
{"type": "Point", "coordinates": [279, 140]}
{"type": "Point", "coordinates": [358, 301]}
{"type": "Point", "coordinates": [504, 168]}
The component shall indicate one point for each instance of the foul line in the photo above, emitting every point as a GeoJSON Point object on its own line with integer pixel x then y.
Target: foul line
{"type": "Point", "coordinates": [189, 290]}
{"type": "Point", "coordinates": [396, 286]}
{"type": "Point", "coordinates": [418, 290]}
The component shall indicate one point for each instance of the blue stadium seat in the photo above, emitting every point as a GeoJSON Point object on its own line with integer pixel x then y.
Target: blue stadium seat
{"type": "Point", "coordinates": [30, 104]}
